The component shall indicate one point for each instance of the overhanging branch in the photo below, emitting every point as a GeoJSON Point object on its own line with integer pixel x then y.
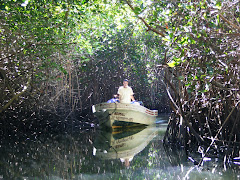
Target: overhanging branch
{"type": "Point", "coordinates": [150, 28]}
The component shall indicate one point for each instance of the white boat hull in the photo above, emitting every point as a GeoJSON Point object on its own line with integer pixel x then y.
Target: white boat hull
{"type": "Point", "coordinates": [108, 113]}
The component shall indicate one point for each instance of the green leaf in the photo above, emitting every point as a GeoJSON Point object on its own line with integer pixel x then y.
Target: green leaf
{"type": "Point", "coordinates": [172, 64]}
{"type": "Point", "coordinates": [165, 39]}
{"type": "Point", "coordinates": [219, 5]}
{"type": "Point", "coordinates": [137, 10]}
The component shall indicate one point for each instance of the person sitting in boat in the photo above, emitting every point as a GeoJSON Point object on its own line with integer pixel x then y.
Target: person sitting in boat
{"type": "Point", "coordinates": [114, 99]}
{"type": "Point", "coordinates": [125, 93]}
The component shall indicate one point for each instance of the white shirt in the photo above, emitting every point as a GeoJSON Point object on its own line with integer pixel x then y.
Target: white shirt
{"type": "Point", "coordinates": [125, 94]}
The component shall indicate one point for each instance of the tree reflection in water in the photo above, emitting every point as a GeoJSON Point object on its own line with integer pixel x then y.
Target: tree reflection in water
{"type": "Point", "coordinates": [72, 156]}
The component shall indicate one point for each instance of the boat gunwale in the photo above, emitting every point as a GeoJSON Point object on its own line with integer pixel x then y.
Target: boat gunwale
{"type": "Point", "coordinates": [126, 106]}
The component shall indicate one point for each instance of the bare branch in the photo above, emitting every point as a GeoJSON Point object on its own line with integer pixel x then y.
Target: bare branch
{"type": "Point", "coordinates": [16, 96]}
{"type": "Point", "coordinates": [229, 22]}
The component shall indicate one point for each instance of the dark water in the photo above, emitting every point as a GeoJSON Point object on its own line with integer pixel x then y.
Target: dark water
{"type": "Point", "coordinates": [95, 154]}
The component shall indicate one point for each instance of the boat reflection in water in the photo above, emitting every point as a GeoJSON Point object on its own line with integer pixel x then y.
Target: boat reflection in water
{"type": "Point", "coordinates": [123, 144]}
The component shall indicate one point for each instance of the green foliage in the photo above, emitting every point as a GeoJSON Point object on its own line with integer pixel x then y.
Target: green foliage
{"type": "Point", "coordinates": [74, 42]}
{"type": "Point", "coordinates": [196, 36]}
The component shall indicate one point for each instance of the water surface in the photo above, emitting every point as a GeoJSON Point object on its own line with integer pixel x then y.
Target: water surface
{"type": "Point", "coordinates": [92, 153]}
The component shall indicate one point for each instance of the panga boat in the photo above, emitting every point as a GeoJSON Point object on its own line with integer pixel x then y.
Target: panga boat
{"type": "Point", "coordinates": [116, 114]}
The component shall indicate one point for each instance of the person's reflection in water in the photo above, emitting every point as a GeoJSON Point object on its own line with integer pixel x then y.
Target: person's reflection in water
{"type": "Point", "coordinates": [126, 161]}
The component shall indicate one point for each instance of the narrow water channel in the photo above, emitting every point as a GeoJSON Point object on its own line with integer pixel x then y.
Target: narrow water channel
{"type": "Point", "coordinates": [93, 153]}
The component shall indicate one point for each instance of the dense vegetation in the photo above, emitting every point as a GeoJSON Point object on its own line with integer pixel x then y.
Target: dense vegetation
{"type": "Point", "coordinates": [202, 40]}
{"type": "Point", "coordinates": [64, 56]}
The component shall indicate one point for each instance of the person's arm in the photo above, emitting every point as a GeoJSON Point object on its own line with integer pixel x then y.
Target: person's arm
{"type": "Point", "coordinates": [132, 98]}
{"type": "Point", "coordinates": [119, 94]}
